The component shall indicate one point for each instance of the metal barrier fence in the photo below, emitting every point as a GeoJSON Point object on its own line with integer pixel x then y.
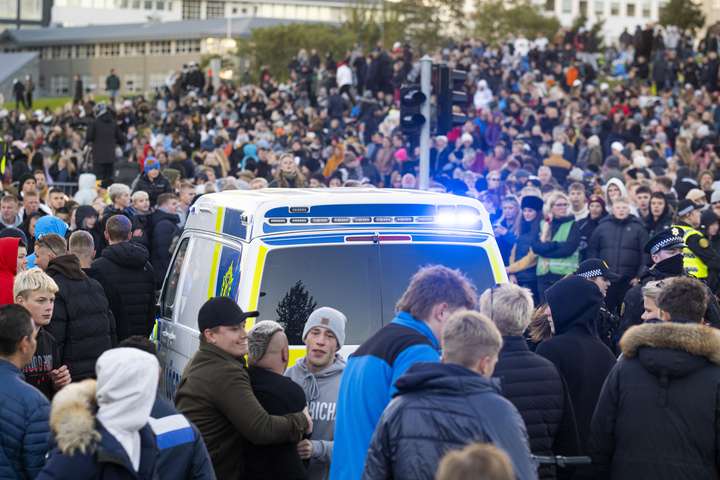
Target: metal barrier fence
{"type": "Point", "coordinates": [70, 188]}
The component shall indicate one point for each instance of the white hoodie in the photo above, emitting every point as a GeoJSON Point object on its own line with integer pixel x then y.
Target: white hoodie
{"type": "Point", "coordinates": [483, 95]}
{"type": "Point", "coordinates": [127, 380]}
{"type": "Point", "coordinates": [87, 192]}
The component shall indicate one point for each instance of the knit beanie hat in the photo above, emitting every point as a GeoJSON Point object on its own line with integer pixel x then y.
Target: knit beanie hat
{"type": "Point", "coordinates": [531, 201]}
{"type": "Point", "coordinates": [151, 163]}
{"type": "Point", "coordinates": [329, 318]}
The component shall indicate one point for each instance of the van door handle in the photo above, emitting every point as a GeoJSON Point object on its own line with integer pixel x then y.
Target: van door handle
{"type": "Point", "coordinates": [167, 335]}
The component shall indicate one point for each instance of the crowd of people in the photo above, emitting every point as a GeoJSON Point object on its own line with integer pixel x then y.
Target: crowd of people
{"type": "Point", "coordinates": [600, 171]}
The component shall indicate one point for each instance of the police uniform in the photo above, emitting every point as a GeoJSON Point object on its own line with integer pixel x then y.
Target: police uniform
{"type": "Point", "coordinates": [698, 255]}
{"type": "Point", "coordinates": [633, 305]}
{"type": "Point", "coordinates": [607, 323]}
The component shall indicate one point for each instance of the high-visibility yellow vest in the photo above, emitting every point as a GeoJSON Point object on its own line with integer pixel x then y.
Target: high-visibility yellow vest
{"type": "Point", "coordinates": [559, 266]}
{"type": "Point", "coordinates": [692, 264]}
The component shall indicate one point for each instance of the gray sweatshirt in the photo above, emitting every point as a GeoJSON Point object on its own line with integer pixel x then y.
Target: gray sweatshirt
{"type": "Point", "coordinates": [321, 390]}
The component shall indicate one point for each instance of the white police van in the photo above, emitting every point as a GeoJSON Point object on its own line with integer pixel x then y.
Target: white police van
{"type": "Point", "coordinates": [285, 251]}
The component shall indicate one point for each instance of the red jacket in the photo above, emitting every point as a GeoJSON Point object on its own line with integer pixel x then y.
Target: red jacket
{"type": "Point", "coordinates": [8, 268]}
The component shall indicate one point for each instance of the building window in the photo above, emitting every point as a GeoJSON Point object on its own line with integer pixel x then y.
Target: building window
{"type": "Point", "coordinates": [160, 48]}
{"type": "Point", "coordinates": [31, 10]}
{"type": "Point", "coordinates": [567, 6]}
{"type": "Point", "coordinates": [85, 51]}
{"type": "Point", "coordinates": [134, 49]}
{"type": "Point", "coordinates": [157, 80]}
{"type": "Point", "coordinates": [614, 9]}
{"type": "Point", "coordinates": [60, 53]}
{"type": "Point", "coordinates": [8, 8]}
{"type": "Point", "coordinates": [191, 10]}
{"type": "Point", "coordinates": [599, 7]}
{"type": "Point", "coordinates": [646, 10]}
{"type": "Point", "coordinates": [215, 9]}
{"type": "Point", "coordinates": [160, 5]}
{"type": "Point", "coordinates": [59, 86]}
{"type": "Point", "coordinates": [133, 83]}
{"type": "Point", "coordinates": [630, 10]}
{"type": "Point", "coordinates": [583, 6]}
{"type": "Point", "coordinates": [88, 84]}
{"type": "Point", "coordinates": [187, 46]}
{"type": "Point", "coordinates": [135, 4]}
{"type": "Point", "coordinates": [109, 49]}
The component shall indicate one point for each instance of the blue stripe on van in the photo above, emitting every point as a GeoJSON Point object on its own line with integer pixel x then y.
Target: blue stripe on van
{"type": "Point", "coordinates": [232, 224]}
{"type": "Point", "coordinates": [340, 238]}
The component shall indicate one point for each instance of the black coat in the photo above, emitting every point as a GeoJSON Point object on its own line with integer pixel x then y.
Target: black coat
{"type": "Point", "coordinates": [82, 322]}
{"type": "Point", "coordinates": [439, 407]}
{"type": "Point", "coordinates": [153, 188]}
{"type": "Point", "coordinates": [579, 355]}
{"type": "Point", "coordinates": [278, 395]}
{"type": "Point", "coordinates": [587, 226]}
{"type": "Point", "coordinates": [620, 243]}
{"type": "Point", "coordinates": [656, 226]}
{"type": "Point", "coordinates": [534, 386]}
{"type": "Point", "coordinates": [125, 273]}
{"type": "Point", "coordinates": [529, 232]}
{"type": "Point", "coordinates": [658, 416]}
{"type": "Point", "coordinates": [551, 249]}
{"type": "Point", "coordinates": [104, 135]}
{"type": "Point", "coordinates": [163, 230]}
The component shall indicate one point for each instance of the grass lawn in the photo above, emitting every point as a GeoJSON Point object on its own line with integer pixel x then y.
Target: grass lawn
{"type": "Point", "coordinates": [51, 102]}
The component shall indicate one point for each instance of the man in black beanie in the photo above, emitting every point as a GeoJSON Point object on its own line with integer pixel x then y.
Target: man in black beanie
{"type": "Point", "coordinates": [575, 349]}
{"type": "Point", "coordinates": [215, 392]}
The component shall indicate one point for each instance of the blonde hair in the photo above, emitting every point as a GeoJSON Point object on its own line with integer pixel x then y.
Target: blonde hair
{"type": "Point", "coordinates": [652, 290]}
{"type": "Point", "coordinates": [469, 336]}
{"type": "Point", "coordinates": [33, 280]}
{"type": "Point", "coordinates": [482, 459]}
{"type": "Point", "coordinates": [509, 306]}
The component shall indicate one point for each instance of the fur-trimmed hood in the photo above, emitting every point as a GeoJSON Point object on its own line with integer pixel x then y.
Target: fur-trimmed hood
{"type": "Point", "coordinates": [72, 418]}
{"type": "Point", "coordinates": [672, 349]}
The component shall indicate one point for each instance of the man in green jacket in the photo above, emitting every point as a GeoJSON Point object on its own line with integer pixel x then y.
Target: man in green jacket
{"type": "Point", "coordinates": [215, 392]}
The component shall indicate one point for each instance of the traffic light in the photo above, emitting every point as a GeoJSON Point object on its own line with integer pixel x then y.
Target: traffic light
{"type": "Point", "coordinates": [450, 92]}
{"type": "Point", "coordinates": [411, 117]}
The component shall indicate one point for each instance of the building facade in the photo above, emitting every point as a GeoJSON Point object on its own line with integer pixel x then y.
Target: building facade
{"type": "Point", "coordinates": [143, 55]}
{"type": "Point", "coordinates": [70, 13]}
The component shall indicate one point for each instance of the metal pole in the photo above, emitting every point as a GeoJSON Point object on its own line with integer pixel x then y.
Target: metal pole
{"type": "Point", "coordinates": [426, 88]}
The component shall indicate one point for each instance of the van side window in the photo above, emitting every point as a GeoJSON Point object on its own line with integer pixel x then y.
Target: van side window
{"type": "Point", "coordinates": [173, 278]}
{"type": "Point", "coordinates": [214, 272]}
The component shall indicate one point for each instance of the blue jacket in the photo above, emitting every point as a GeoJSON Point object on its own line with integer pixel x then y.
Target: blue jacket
{"type": "Point", "coordinates": [108, 461]}
{"type": "Point", "coordinates": [441, 407]}
{"type": "Point", "coordinates": [181, 450]}
{"type": "Point", "coordinates": [368, 384]}
{"type": "Point", "coordinates": [24, 428]}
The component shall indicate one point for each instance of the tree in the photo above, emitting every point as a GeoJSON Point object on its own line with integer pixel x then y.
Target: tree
{"type": "Point", "coordinates": [496, 19]}
{"type": "Point", "coordinates": [685, 14]}
{"type": "Point", "coordinates": [294, 310]}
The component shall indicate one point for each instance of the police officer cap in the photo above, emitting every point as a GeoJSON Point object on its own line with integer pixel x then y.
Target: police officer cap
{"type": "Point", "coordinates": [222, 311]}
{"type": "Point", "coordinates": [669, 238]}
{"type": "Point", "coordinates": [594, 267]}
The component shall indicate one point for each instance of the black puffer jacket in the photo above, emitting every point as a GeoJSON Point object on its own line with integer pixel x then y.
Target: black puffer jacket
{"type": "Point", "coordinates": [440, 407]}
{"type": "Point", "coordinates": [658, 416]}
{"type": "Point", "coordinates": [579, 355]}
{"type": "Point", "coordinates": [620, 243]}
{"type": "Point", "coordinates": [534, 386]}
{"type": "Point", "coordinates": [587, 226]}
{"type": "Point", "coordinates": [552, 249]}
{"type": "Point", "coordinates": [125, 273]}
{"type": "Point", "coordinates": [154, 188]}
{"type": "Point", "coordinates": [82, 323]}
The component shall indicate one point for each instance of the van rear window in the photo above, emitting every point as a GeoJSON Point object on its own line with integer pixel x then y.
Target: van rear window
{"type": "Point", "coordinates": [363, 281]}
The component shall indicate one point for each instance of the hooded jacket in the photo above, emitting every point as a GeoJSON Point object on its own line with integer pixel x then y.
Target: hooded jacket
{"type": "Point", "coordinates": [86, 193]}
{"type": "Point", "coordinates": [154, 188]}
{"type": "Point", "coordinates": [116, 442]}
{"type": "Point", "coordinates": [321, 391]}
{"type": "Point", "coordinates": [104, 135]}
{"type": "Point", "coordinates": [8, 268]}
{"type": "Point", "coordinates": [82, 322]}
{"type": "Point", "coordinates": [620, 243]}
{"type": "Point", "coordinates": [215, 394]}
{"type": "Point", "coordinates": [45, 225]}
{"type": "Point", "coordinates": [125, 273]}
{"type": "Point", "coordinates": [658, 416]}
{"type": "Point", "coordinates": [368, 384]}
{"type": "Point", "coordinates": [579, 355]}
{"type": "Point", "coordinates": [25, 432]}
{"type": "Point", "coordinates": [439, 407]}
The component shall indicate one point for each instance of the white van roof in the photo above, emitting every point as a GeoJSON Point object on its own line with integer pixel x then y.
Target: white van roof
{"type": "Point", "coordinates": [246, 214]}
